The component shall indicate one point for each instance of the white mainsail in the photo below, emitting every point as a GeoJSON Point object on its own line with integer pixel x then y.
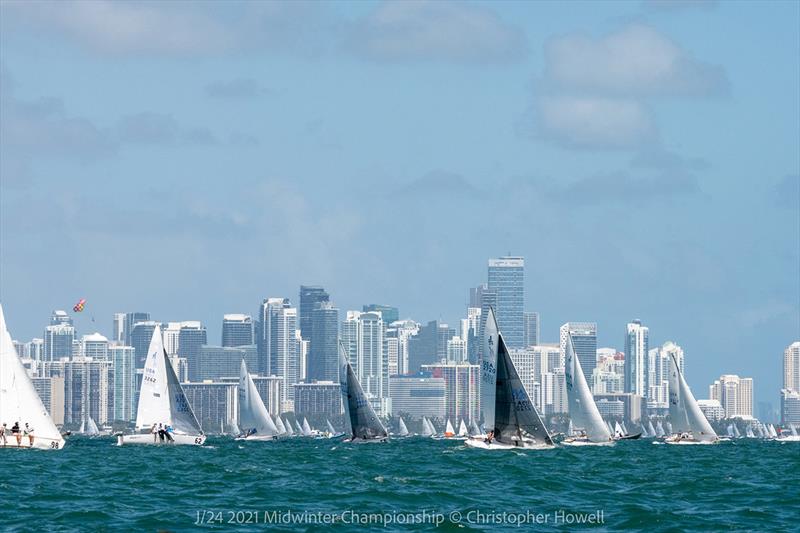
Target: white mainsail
{"type": "Point", "coordinates": [331, 429]}
{"type": "Point", "coordinates": [307, 428]}
{"type": "Point", "coordinates": [254, 418]}
{"type": "Point", "coordinates": [474, 430]}
{"type": "Point", "coordinates": [298, 428]}
{"type": "Point", "coordinates": [624, 429]}
{"type": "Point", "coordinates": [462, 429]}
{"type": "Point", "coordinates": [91, 427]}
{"type": "Point", "coordinates": [279, 425]}
{"type": "Point", "coordinates": [683, 400]}
{"type": "Point", "coordinates": [19, 401]}
{"type": "Point", "coordinates": [609, 426]}
{"type": "Point", "coordinates": [488, 386]}
{"type": "Point", "coordinates": [659, 429]}
{"type": "Point", "coordinates": [729, 430]}
{"type": "Point", "coordinates": [427, 431]}
{"type": "Point", "coordinates": [651, 429]}
{"type": "Point", "coordinates": [289, 429]}
{"type": "Point", "coordinates": [736, 432]}
{"type": "Point", "coordinates": [403, 432]}
{"type": "Point", "coordinates": [618, 430]}
{"type": "Point", "coordinates": [668, 428]}
{"type": "Point", "coordinates": [582, 408]}
{"type": "Point", "coordinates": [448, 430]}
{"type": "Point", "coordinates": [645, 434]}
{"type": "Point", "coordinates": [161, 397]}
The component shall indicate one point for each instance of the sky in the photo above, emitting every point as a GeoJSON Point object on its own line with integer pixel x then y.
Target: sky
{"type": "Point", "coordinates": [190, 159]}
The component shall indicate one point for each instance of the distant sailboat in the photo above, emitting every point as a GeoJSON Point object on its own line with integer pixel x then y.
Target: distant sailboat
{"type": "Point", "coordinates": [624, 429]}
{"type": "Point", "coordinates": [645, 434]}
{"type": "Point", "coordinates": [791, 437]}
{"type": "Point", "coordinates": [749, 432]}
{"type": "Point", "coordinates": [89, 427]}
{"type": "Point", "coordinates": [162, 401]}
{"type": "Point", "coordinates": [427, 429]}
{"type": "Point", "coordinates": [279, 426]}
{"type": "Point", "coordinates": [474, 430]}
{"type": "Point", "coordinates": [299, 429]}
{"type": "Point", "coordinates": [618, 433]}
{"type": "Point", "coordinates": [610, 427]}
{"type": "Point", "coordinates": [736, 432]}
{"type": "Point", "coordinates": [332, 430]}
{"type": "Point", "coordinates": [691, 425]}
{"type": "Point", "coordinates": [650, 429]}
{"type": "Point", "coordinates": [582, 409]}
{"type": "Point", "coordinates": [364, 423]}
{"type": "Point", "coordinates": [659, 429]}
{"type": "Point", "coordinates": [449, 432]}
{"type": "Point", "coordinates": [254, 419]}
{"type": "Point", "coordinates": [307, 430]}
{"type": "Point", "coordinates": [509, 415]}
{"type": "Point", "coordinates": [668, 428]}
{"type": "Point", "coordinates": [19, 402]}
{"type": "Point", "coordinates": [403, 430]}
{"type": "Point", "coordinates": [462, 429]}
{"type": "Point", "coordinates": [289, 428]}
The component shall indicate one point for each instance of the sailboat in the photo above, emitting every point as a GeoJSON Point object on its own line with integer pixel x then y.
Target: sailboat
{"type": "Point", "coordinates": [736, 432]}
{"type": "Point", "coordinates": [449, 432]}
{"type": "Point", "coordinates": [279, 426]}
{"type": "Point", "coordinates": [427, 429]}
{"type": "Point", "coordinates": [462, 429]}
{"type": "Point", "coordinates": [650, 429]}
{"type": "Point", "coordinates": [791, 437]}
{"type": "Point", "coordinates": [162, 401]}
{"type": "Point", "coordinates": [667, 428]}
{"type": "Point", "coordinates": [288, 427]}
{"type": "Point", "coordinates": [645, 434]}
{"type": "Point", "coordinates": [688, 420]}
{"type": "Point", "coordinates": [509, 415]}
{"type": "Point", "coordinates": [773, 432]}
{"type": "Point", "coordinates": [19, 402]}
{"type": "Point", "coordinates": [610, 427]}
{"type": "Point", "coordinates": [402, 430]}
{"type": "Point", "coordinates": [659, 429]}
{"type": "Point", "coordinates": [624, 429]}
{"type": "Point", "coordinates": [364, 423]}
{"type": "Point", "coordinates": [474, 430]}
{"type": "Point", "coordinates": [299, 429]}
{"type": "Point", "coordinates": [332, 433]}
{"type": "Point", "coordinates": [89, 427]}
{"type": "Point", "coordinates": [254, 419]}
{"type": "Point", "coordinates": [582, 409]}
{"type": "Point", "coordinates": [307, 431]}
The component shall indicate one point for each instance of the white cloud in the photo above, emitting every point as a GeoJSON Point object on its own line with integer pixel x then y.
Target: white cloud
{"type": "Point", "coordinates": [585, 122]}
{"type": "Point", "coordinates": [424, 30]}
{"type": "Point", "coordinates": [635, 61]}
{"type": "Point", "coordinates": [121, 27]}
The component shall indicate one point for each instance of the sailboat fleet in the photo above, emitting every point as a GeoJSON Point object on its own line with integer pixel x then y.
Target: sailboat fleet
{"type": "Point", "coordinates": [510, 420]}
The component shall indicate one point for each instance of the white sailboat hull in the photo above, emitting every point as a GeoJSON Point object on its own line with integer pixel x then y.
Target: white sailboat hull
{"type": "Point", "coordinates": [688, 441]}
{"type": "Point", "coordinates": [260, 438]}
{"type": "Point", "coordinates": [481, 444]}
{"type": "Point", "coordinates": [147, 438]}
{"type": "Point", "coordinates": [585, 442]}
{"type": "Point", "coordinates": [790, 438]}
{"type": "Point", "coordinates": [38, 443]}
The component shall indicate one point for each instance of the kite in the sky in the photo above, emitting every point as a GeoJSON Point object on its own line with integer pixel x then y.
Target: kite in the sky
{"type": "Point", "coordinates": [78, 307]}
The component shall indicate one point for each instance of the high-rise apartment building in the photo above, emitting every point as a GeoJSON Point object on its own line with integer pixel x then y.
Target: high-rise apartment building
{"type": "Point", "coordinates": [735, 394]}
{"type": "Point", "coordinates": [530, 334]}
{"type": "Point", "coordinates": [363, 338]}
{"type": "Point", "coordinates": [123, 364]}
{"type": "Point", "coordinates": [388, 313]}
{"type": "Point", "coordinates": [636, 358]}
{"type": "Point", "coordinates": [507, 281]}
{"type": "Point", "coordinates": [791, 367]}
{"type": "Point", "coordinates": [130, 320]}
{"type": "Point", "coordinates": [191, 337]}
{"type": "Point", "coordinates": [310, 298]}
{"type": "Point", "coordinates": [140, 336]}
{"type": "Point", "coordinates": [584, 339]}
{"type": "Point", "coordinates": [323, 352]}
{"type": "Point", "coordinates": [58, 340]}
{"type": "Point", "coordinates": [237, 330]}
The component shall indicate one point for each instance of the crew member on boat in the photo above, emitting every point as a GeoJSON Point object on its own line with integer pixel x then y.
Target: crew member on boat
{"type": "Point", "coordinates": [29, 433]}
{"type": "Point", "coordinates": [15, 431]}
{"type": "Point", "coordinates": [3, 433]}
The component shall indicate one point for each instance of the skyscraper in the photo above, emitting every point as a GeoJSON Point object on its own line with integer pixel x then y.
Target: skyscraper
{"type": "Point", "coordinates": [237, 330]}
{"type": "Point", "coordinates": [130, 320]}
{"type": "Point", "coordinates": [362, 335]}
{"type": "Point", "coordinates": [58, 341]}
{"type": "Point", "coordinates": [323, 357]}
{"type": "Point", "coordinates": [390, 314]}
{"type": "Point", "coordinates": [506, 279]}
{"type": "Point", "coordinates": [530, 335]}
{"type": "Point", "coordinates": [60, 317]}
{"type": "Point", "coordinates": [141, 334]}
{"type": "Point", "coordinates": [191, 337]}
{"type": "Point", "coordinates": [310, 298]}
{"type": "Point", "coordinates": [584, 339]}
{"type": "Point", "coordinates": [124, 382]}
{"type": "Point", "coordinates": [791, 367]}
{"type": "Point", "coordinates": [279, 351]}
{"type": "Point", "coordinates": [94, 346]}
{"type": "Point", "coordinates": [735, 394]}
{"type": "Point", "coordinates": [119, 328]}
{"type": "Point", "coordinates": [636, 358]}
{"type": "Point", "coordinates": [429, 345]}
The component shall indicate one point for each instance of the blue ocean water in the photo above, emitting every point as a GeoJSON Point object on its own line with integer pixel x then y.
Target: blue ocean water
{"type": "Point", "coordinates": [302, 484]}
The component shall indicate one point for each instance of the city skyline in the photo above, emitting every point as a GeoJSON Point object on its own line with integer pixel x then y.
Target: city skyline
{"type": "Point", "coordinates": [193, 177]}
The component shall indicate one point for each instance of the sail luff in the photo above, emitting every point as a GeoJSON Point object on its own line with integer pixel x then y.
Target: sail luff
{"type": "Point", "coordinates": [698, 424]}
